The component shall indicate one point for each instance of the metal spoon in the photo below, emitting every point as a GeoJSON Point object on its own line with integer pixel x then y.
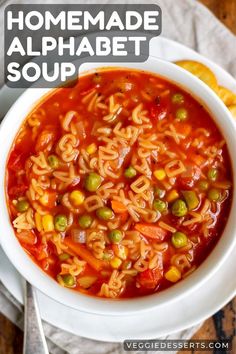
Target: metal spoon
{"type": "Point", "coordinates": [34, 339]}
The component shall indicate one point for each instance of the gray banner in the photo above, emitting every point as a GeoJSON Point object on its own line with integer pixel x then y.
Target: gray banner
{"type": "Point", "coordinates": [46, 44]}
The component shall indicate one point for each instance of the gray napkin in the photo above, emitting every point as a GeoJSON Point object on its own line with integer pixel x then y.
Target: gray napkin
{"type": "Point", "coordinates": [185, 21]}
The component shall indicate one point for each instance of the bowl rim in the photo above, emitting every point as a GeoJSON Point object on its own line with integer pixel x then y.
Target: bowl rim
{"type": "Point", "coordinates": [33, 273]}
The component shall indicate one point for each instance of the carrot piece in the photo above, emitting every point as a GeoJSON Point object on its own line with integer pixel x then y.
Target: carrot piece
{"type": "Point", "coordinates": [83, 253]}
{"type": "Point", "coordinates": [27, 237]}
{"type": "Point", "coordinates": [198, 159]}
{"type": "Point", "coordinates": [118, 207]}
{"type": "Point", "coordinates": [123, 217]}
{"type": "Point", "coordinates": [64, 270]}
{"type": "Point", "coordinates": [154, 232]}
{"type": "Point", "coordinates": [184, 128]}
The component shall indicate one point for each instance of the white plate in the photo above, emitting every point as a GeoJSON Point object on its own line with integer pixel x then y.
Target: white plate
{"type": "Point", "coordinates": [164, 320]}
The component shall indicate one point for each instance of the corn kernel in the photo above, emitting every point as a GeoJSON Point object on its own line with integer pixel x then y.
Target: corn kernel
{"type": "Point", "coordinates": [44, 199]}
{"type": "Point", "coordinates": [116, 262]}
{"type": "Point", "coordinates": [38, 222]}
{"type": "Point", "coordinates": [47, 223]}
{"type": "Point", "coordinates": [77, 198]}
{"type": "Point", "coordinates": [173, 274]}
{"type": "Point", "coordinates": [160, 174]}
{"type": "Point", "coordinates": [91, 149]}
{"type": "Point", "coordinates": [120, 251]}
{"type": "Point", "coordinates": [172, 195]}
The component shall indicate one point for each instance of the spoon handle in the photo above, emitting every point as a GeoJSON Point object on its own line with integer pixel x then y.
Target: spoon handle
{"type": "Point", "coordinates": [34, 340]}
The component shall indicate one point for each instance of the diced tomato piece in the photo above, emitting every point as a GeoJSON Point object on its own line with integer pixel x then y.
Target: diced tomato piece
{"type": "Point", "coordinates": [159, 110]}
{"type": "Point", "coordinates": [81, 131]}
{"type": "Point", "coordinates": [49, 265]}
{"type": "Point", "coordinates": [17, 191]}
{"type": "Point", "coordinates": [27, 237]}
{"type": "Point", "coordinates": [45, 138]}
{"type": "Point", "coordinates": [42, 252]}
{"type": "Point", "coordinates": [188, 178]}
{"type": "Point", "coordinates": [185, 182]}
{"type": "Point", "coordinates": [154, 232]}
{"type": "Point", "coordinates": [150, 278]}
{"type": "Point", "coordinates": [16, 161]}
{"type": "Point", "coordinates": [18, 185]}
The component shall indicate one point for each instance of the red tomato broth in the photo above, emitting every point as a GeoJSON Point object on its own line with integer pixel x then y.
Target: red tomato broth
{"type": "Point", "coordinates": [156, 95]}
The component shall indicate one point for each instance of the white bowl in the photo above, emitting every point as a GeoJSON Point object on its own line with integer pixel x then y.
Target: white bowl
{"type": "Point", "coordinates": [50, 287]}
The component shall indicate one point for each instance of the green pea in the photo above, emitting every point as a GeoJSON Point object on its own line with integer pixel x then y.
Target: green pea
{"type": "Point", "coordinates": [22, 205]}
{"type": "Point", "coordinates": [212, 174]}
{"type": "Point", "coordinates": [181, 114]}
{"type": "Point", "coordinates": [60, 222]}
{"type": "Point", "coordinates": [203, 185]}
{"type": "Point", "coordinates": [179, 208]}
{"type": "Point", "coordinates": [159, 192]}
{"type": "Point", "coordinates": [53, 161]}
{"type": "Point", "coordinates": [130, 172]}
{"type": "Point", "coordinates": [159, 205]}
{"type": "Point", "coordinates": [68, 280]}
{"type": "Point", "coordinates": [178, 98]}
{"type": "Point", "coordinates": [115, 236]}
{"type": "Point", "coordinates": [64, 256]}
{"type": "Point", "coordinates": [85, 221]}
{"type": "Point", "coordinates": [93, 182]}
{"type": "Point", "coordinates": [214, 194]}
{"type": "Point", "coordinates": [179, 239]}
{"type": "Point", "coordinates": [104, 213]}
